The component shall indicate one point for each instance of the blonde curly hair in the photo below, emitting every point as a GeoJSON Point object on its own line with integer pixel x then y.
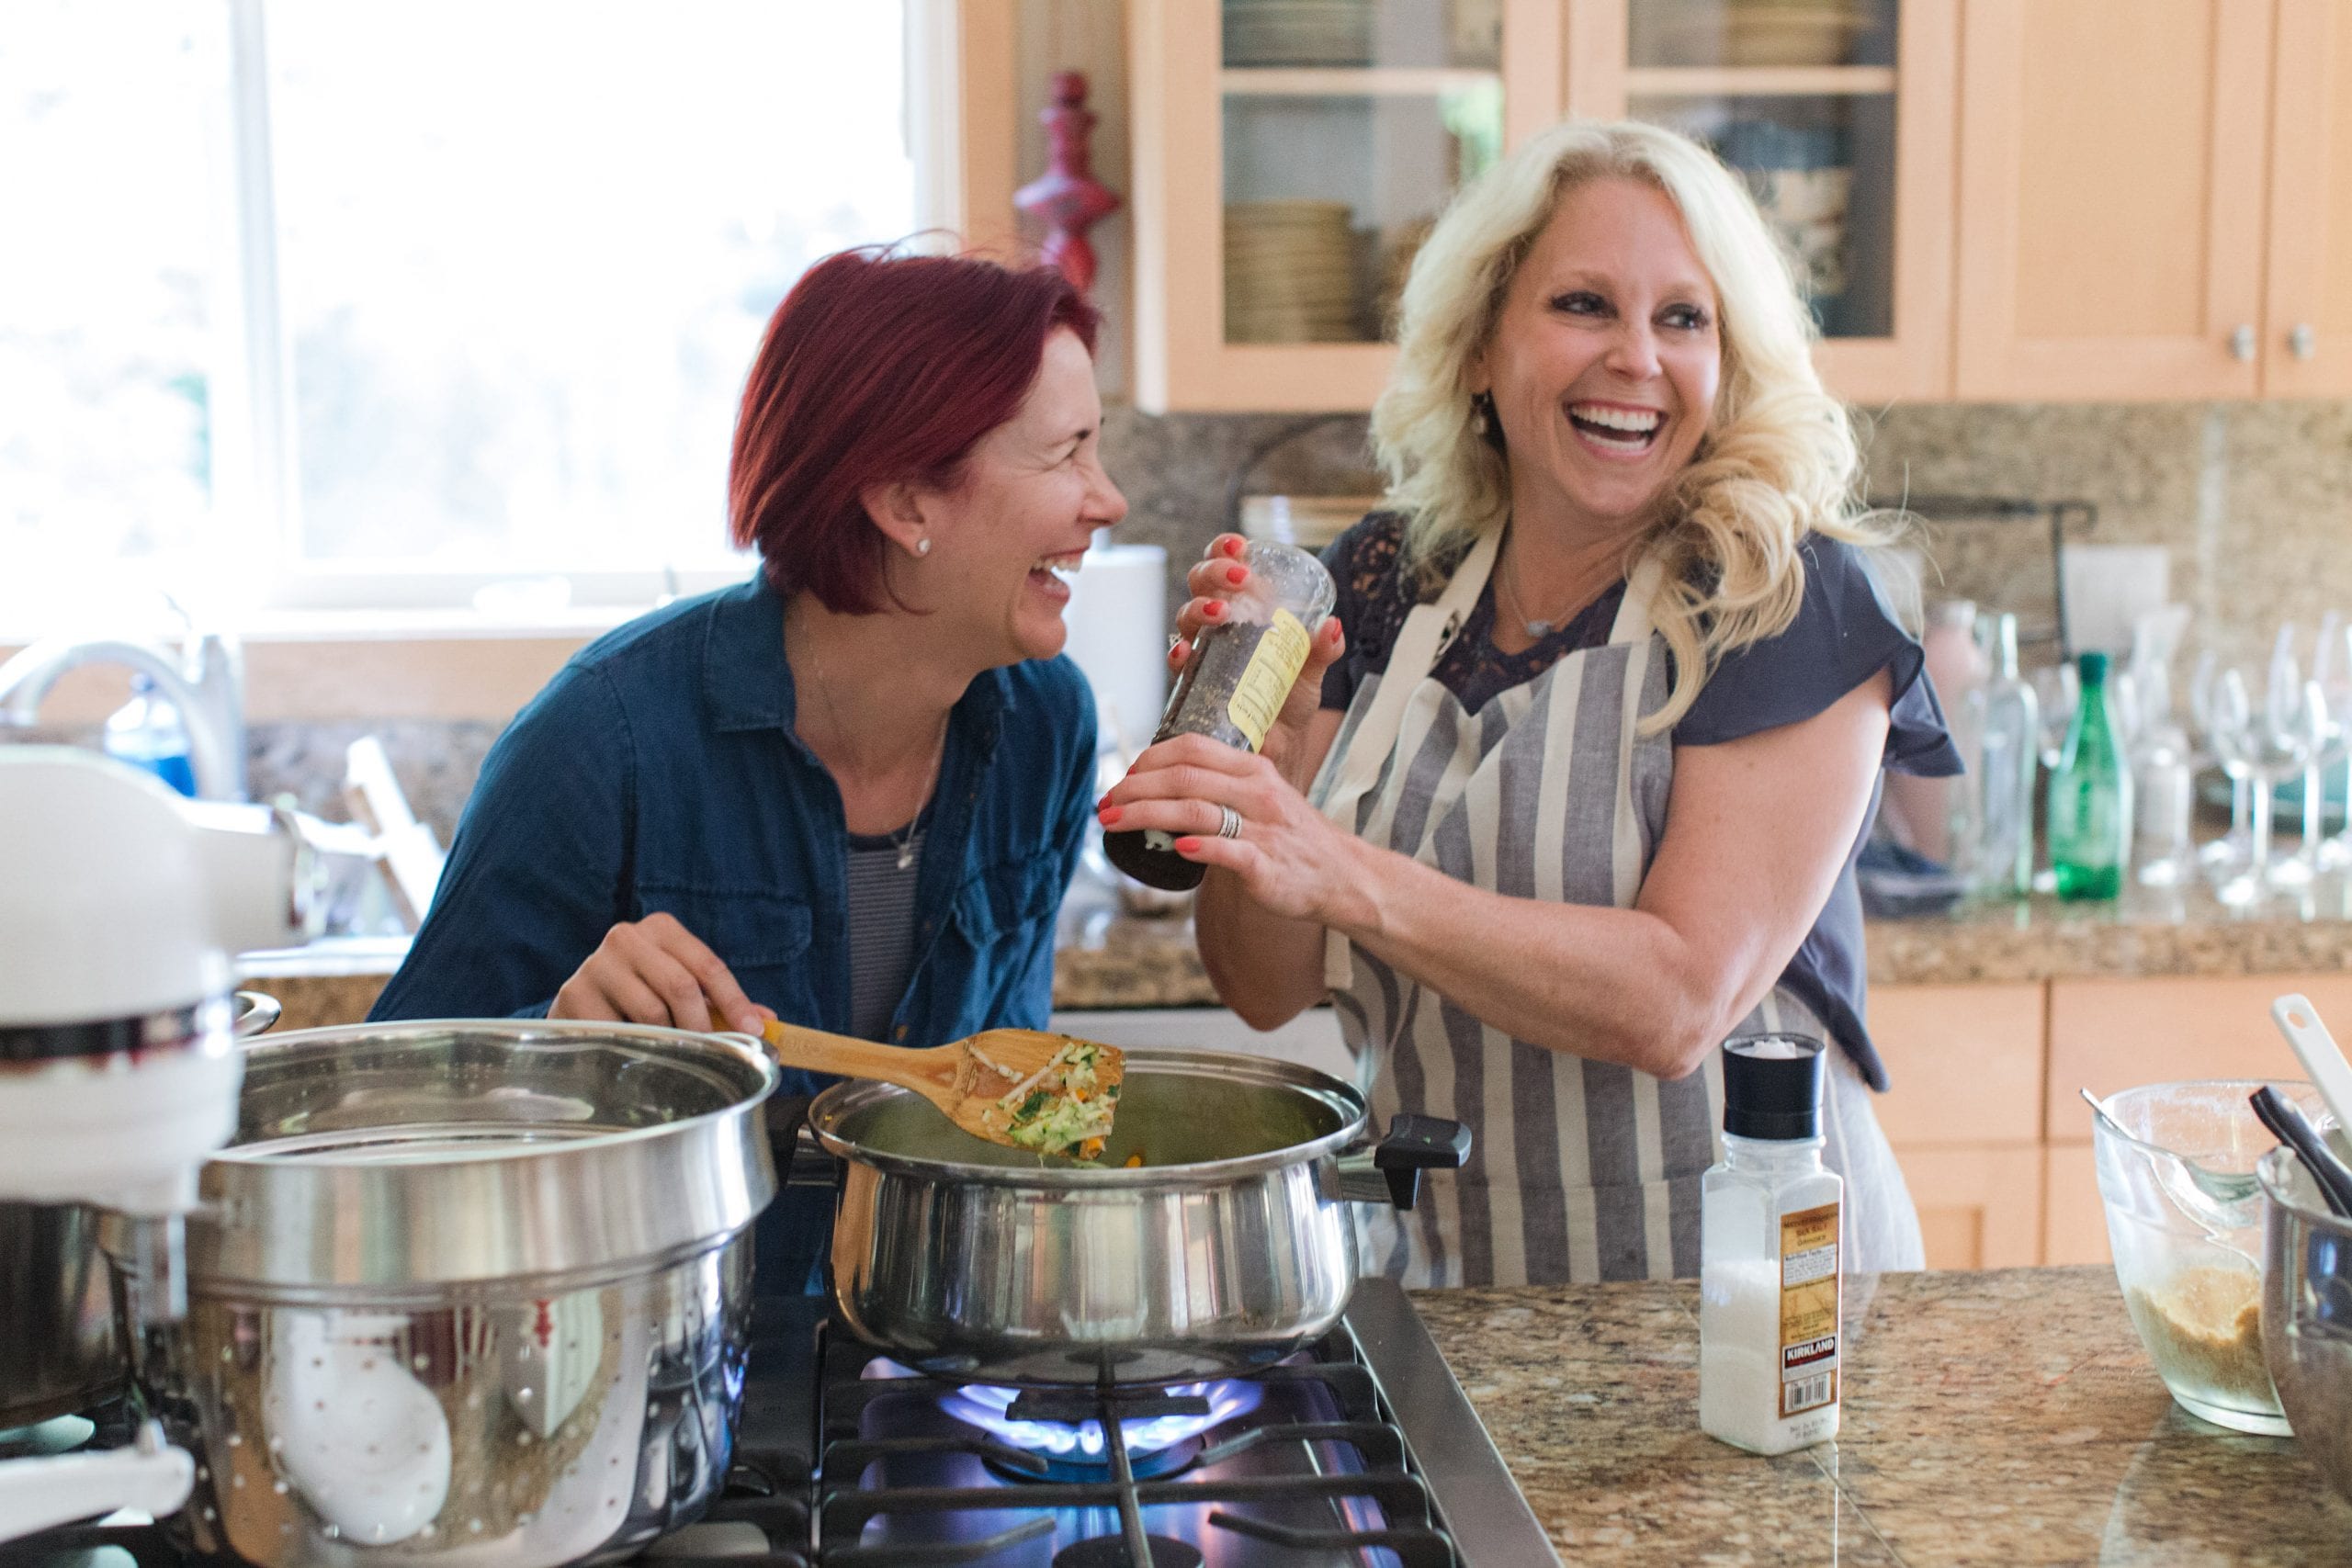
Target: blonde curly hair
{"type": "Point", "coordinates": [1779, 459]}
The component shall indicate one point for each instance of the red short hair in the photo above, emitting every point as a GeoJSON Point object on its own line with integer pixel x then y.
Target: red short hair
{"type": "Point", "coordinates": [878, 369]}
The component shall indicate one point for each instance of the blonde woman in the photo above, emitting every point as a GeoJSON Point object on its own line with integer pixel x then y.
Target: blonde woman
{"type": "Point", "coordinates": [1576, 792]}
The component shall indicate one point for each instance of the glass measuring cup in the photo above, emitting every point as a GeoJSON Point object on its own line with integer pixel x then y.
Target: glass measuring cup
{"type": "Point", "coordinates": [2184, 1216]}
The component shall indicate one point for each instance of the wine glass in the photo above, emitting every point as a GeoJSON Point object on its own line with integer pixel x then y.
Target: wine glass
{"type": "Point", "coordinates": [2223, 856]}
{"type": "Point", "coordinates": [2126, 716]}
{"type": "Point", "coordinates": [2263, 746]}
{"type": "Point", "coordinates": [2324, 736]}
{"type": "Point", "coordinates": [2294, 720]}
{"type": "Point", "coordinates": [2332, 668]}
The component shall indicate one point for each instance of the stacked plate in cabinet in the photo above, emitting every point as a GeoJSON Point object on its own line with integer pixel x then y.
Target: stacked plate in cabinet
{"type": "Point", "coordinates": [1298, 32]}
{"type": "Point", "coordinates": [1290, 272]}
{"type": "Point", "coordinates": [1748, 32]}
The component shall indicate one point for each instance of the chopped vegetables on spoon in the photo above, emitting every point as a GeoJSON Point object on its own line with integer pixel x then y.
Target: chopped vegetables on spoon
{"type": "Point", "coordinates": [1062, 1108]}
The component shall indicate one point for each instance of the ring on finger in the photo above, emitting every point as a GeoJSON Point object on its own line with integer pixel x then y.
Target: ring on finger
{"type": "Point", "coordinates": [1229, 824]}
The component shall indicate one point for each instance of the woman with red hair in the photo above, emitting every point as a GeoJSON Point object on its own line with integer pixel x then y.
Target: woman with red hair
{"type": "Point", "coordinates": [850, 791]}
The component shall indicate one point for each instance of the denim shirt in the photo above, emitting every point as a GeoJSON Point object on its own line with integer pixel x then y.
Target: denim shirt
{"type": "Point", "coordinates": [659, 770]}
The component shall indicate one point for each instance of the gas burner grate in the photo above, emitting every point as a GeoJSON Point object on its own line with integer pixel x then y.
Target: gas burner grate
{"type": "Point", "coordinates": [1312, 1469]}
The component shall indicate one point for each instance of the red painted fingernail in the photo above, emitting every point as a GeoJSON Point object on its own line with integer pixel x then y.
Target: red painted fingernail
{"type": "Point", "coordinates": [1236, 574]}
{"type": "Point", "coordinates": [1187, 844]}
{"type": "Point", "coordinates": [1232, 546]}
{"type": "Point", "coordinates": [1212, 611]}
{"type": "Point", "coordinates": [1108, 815]}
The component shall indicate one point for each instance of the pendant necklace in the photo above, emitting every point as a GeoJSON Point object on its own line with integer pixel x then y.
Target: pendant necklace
{"type": "Point", "coordinates": [903, 840]}
{"type": "Point", "coordinates": [1536, 630]}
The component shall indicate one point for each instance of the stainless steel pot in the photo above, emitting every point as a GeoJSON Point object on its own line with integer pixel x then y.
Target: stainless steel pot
{"type": "Point", "coordinates": [58, 1351]}
{"type": "Point", "coordinates": [475, 1291]}
{"type": "Point", "coordinates": [1230, 1247]}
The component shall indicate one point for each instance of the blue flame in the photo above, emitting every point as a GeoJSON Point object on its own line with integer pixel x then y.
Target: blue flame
{"type": "Point", "coordinates": [985, 1407]}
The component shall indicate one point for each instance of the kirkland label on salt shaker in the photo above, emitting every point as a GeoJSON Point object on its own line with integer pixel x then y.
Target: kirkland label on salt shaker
{"type": "Point", "coordinates": [1275, 664]}
{"type": "Point", "coordinates": [1808, 1310]}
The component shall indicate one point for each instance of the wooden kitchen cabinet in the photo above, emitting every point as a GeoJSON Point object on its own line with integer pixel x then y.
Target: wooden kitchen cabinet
{"type": "Point", "coordinates": [2050, 199]}
{"type": "Point", "coordinates": [1965, 1064]}
{"type": "Point", "coordinates": [1286, 166]}
{"type": "Point", "coordinates": [2074, 1224]}
{"type": "Point", "coordinates": [2112, 1034]}
{"type": "Point", "coordinates": [1851, 156]}
{"type": "Point", "coordinates": [1978, 1208]}
{"type": "Point", "coordinates": [2307, 348]}
{"type": "Point", "coordinates": [1964, 1115]}
{"type": "Point", "coordinates": [2111, 214]}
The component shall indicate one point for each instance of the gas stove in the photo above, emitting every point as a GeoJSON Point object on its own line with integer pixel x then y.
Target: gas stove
{"type": "Point", "coordinates": [1362, 1449]}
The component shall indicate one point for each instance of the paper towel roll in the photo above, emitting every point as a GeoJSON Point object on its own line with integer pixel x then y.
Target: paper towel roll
{"type": "Point", "coordinates": [1118, 634]}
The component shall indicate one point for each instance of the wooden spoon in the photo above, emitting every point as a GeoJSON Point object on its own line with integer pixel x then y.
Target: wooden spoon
{"type": "Point", "coordinates": [970, 1080]}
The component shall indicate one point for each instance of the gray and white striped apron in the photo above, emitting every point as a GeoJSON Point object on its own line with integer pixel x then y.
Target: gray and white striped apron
{"type": "Point", "coordinates": [1580, 1170]}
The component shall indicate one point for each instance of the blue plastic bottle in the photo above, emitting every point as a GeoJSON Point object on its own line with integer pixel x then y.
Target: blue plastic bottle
{"type": "Point", "coordinates": [147, 732]}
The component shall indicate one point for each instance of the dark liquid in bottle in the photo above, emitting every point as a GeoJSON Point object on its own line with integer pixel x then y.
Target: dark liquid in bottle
{"type": "Point", "coordinates": [1154, 868]}
{"type": "Point", "coordinates": [1200, 704]}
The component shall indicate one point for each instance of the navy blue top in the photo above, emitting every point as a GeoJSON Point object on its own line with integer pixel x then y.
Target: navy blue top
{"type": "Point", "coordinates": [1844, 633]}
{"type": "Point", "coordinates": [659, 770]}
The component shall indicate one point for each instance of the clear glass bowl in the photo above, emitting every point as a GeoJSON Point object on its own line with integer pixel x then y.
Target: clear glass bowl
{"type": "Point", "coordinates": [2184, 1216]}
{"type": "Point", "coordinates": [2307, 1315]}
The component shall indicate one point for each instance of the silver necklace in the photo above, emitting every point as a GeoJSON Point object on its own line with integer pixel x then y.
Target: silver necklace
{"type": "Point", "coordinates": [1536, 630]}
{"type": "Point", "coordinates": [903, 840]}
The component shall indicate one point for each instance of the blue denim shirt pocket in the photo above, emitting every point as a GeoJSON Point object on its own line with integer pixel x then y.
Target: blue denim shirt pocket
{"type": "Point", "coordinates": [1000, 914]}
{"type": "Point", "coordinates": [763, 938]}
{"type": "Point", "coordinates": [1006, 899]}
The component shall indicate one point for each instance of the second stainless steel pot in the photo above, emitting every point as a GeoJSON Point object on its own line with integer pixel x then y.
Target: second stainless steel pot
{"type": "Point", "coordinates": [1230, 1247]}
{"type": "Point", "coordinates": [469, 1292]}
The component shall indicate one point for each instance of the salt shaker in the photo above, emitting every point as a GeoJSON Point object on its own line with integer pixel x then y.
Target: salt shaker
{"type": "Point", "coordinates": [1770, 1239]}
{"type": "Point", "coordinates": [1233, 685]}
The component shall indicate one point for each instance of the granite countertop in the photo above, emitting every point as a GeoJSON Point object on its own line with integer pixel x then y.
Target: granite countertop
{"type": "Point", "coordinates": [2149, 931]}
{"type": "Point", "coordinates": [1117, 960]}
{"type": "Point", "coordinates": [2005, 1417]}
{"type": "Point", "coordinates": [1109, 958]}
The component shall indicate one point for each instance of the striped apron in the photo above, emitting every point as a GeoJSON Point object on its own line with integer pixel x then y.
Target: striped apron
{"type": "Point", "coordinates": [1580, 1170]}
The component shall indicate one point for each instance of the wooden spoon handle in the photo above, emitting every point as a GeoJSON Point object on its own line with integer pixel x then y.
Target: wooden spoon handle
{"type": "Point", "coordinates": [846, 1057]}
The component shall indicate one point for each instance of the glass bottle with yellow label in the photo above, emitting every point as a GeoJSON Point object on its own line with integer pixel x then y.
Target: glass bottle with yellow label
{"type": "Point", "coordinates": [1769, 1248]}
{"type": "Point", "coordinates": [1233, 685]}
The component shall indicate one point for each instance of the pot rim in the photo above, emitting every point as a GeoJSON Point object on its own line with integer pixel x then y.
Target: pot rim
{"type": "Point", "coordinates": [522, 1029]}
{"type": "Point", "coordinates": [836, 1102]}
{"type": "Point", "coordinates": [337, 1220]}
{"type": "Point", "coordinates": [2271, 1170]}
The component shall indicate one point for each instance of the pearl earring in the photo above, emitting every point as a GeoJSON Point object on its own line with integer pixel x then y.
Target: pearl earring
{"type": "Point", "coordinates": [922, 546]}
{"type": "Point", "coordinates": [1481, 404]}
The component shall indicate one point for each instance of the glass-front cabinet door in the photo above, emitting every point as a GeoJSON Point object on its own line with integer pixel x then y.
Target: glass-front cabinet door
{"type": "Point", "coordinates": [1290, 157]}
{"type": "Point", "coordinates": [1840, 116]}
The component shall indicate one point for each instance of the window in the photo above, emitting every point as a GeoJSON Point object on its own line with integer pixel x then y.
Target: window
{"type": "Point", "coordinates": [320, 306]}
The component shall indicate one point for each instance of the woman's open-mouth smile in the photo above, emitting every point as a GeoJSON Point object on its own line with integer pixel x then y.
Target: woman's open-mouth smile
{"type": "Point", "coordinates": [1051, 575]}
{"type": "Point", "coordinates": [1616, 430]}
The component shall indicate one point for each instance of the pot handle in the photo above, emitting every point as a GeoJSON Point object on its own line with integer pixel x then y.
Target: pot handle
{"type": "Point", "coordinates": [255, 1012]}
{"type": "Point", "coordinates": [1390, 1171]}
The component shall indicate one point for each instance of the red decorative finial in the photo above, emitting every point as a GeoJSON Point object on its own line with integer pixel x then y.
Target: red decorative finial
{"type": "Point", "coordinates": [1068, 198]}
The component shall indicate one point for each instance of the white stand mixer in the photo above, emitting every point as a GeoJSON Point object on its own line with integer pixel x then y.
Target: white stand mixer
{"type": "Point", "coordinates": [121, 906]}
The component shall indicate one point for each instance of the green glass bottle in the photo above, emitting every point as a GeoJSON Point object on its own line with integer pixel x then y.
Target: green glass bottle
{"type": "Point", "coordinates": [2090, 796]}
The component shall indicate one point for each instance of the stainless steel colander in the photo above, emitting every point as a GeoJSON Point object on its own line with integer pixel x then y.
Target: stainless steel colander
{"type": "Point", "coordinates": [467, 1290]}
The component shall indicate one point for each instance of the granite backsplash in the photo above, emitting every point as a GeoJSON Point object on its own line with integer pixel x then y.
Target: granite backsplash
{"type": "Point", "coordinates": [2254, 500]}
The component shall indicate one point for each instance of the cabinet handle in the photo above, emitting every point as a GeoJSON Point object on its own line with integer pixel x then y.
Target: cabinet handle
{"type": "Point", "coordinates": [2302, 343]}
{"type": "Point", "coordinates": [2242, 344]}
